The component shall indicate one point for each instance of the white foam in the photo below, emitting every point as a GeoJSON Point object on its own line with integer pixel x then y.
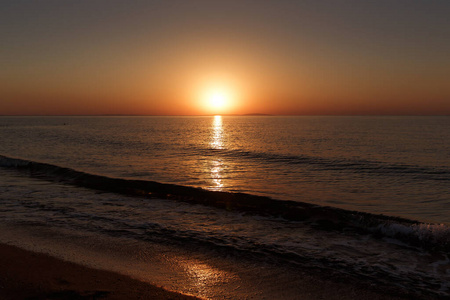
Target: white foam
{"type": "Point", "coordinates": [423, 232]}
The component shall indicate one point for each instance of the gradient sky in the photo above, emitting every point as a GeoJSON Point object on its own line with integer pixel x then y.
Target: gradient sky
{"type": "Point", "coordinates": [275, 57]}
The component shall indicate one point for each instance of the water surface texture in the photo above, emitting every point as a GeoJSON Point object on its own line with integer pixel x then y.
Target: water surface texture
{"type": "Point", "coordinates": [398, 166]}
{"type": "Point", "coordinates": [220, 206]}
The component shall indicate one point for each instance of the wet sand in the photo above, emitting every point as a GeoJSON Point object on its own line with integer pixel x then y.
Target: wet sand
{"type": "Point", "coordinates": [29, 275]}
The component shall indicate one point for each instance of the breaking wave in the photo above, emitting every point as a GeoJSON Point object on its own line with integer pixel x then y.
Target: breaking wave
{"type": "Point", "coordinates": [413, 233]}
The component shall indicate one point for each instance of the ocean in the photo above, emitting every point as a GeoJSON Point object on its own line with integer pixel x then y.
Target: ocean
{"type": "Point", "coordinates": [359, 197]}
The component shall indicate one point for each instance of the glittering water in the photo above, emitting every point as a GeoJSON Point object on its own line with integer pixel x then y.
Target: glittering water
{"type": "Point", "coordinates": [392, 165]}
{"type": "Point", "coordinates": [398, 166]}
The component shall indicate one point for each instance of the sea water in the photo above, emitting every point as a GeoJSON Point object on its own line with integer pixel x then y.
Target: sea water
{"type": "Point", "coordinates": [396, 166]}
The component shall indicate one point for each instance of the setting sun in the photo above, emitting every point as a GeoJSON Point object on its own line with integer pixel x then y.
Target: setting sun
{"type": "Point", "coordinates": [217, 100]}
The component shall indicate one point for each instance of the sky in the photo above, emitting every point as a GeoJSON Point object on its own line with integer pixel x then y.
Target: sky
{"type": "Point", "coordinates": [329, 57]}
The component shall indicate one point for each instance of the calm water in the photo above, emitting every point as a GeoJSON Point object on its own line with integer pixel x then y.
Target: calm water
{"type": "Point", "coordinates": [397, 166]}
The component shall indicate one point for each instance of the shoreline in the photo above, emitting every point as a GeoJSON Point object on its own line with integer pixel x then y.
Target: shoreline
{"type": "Point", "coordinates": [26, 274]}
{"type": "Point", "coordinates": [30, 275]}
{"type": "Point", "coordinates": [184, 266]}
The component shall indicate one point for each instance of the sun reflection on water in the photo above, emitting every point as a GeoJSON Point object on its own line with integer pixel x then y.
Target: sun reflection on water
{"type": "Point", "coordinates": [217, 133]}
{"type": "Point", "coordinates": [216, 174]}
{"type": "Point", "coordinates": [215, 165]}
{"type": "Point", "coordinates": [203, 277]}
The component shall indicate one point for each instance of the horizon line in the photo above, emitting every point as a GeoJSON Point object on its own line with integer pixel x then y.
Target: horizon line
{"type": "Point", "coordinates": [225, 115]}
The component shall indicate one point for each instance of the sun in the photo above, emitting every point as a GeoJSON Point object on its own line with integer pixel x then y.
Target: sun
{"type": "Point", "coordinates": [217, 99]}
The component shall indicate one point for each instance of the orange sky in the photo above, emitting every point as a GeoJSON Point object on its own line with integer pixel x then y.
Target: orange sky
{"type": "Point", "coordinates": [159, 57]}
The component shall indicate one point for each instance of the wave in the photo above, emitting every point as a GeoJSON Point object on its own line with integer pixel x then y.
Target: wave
{"type": "Point", "coordinates": [343, 164]}
{"type": "Point", "coordinates": [413, 233]}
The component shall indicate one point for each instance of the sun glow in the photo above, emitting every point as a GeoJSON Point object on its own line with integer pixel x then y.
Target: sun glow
{"type": "Point", "coordinates": [217, 100]}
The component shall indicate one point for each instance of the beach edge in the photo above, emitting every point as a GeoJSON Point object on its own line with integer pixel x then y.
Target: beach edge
{"type": "Point", "coordinates": [31, 275]}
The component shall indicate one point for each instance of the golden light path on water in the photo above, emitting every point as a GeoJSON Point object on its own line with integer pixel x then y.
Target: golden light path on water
{"type": "Point", "coordinates": [203, 279]}
{"type": "Point", "coordinates": [216, 142]}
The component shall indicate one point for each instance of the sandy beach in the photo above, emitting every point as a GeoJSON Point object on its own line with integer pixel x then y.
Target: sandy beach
{"type": "Point", "coordinates": [29, 275]}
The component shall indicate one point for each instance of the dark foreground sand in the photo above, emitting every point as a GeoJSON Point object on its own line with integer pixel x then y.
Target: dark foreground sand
{"type": "Point", "coordinates": [28, 275]}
